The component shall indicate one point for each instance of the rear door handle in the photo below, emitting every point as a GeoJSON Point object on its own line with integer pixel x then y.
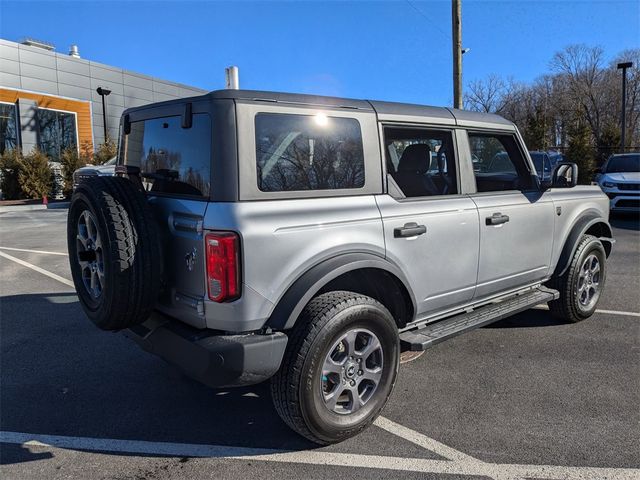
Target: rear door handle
{"type": "Point", "coordinates": [411, 229]}
{"type": "Point", "coordinates": [497, 219]}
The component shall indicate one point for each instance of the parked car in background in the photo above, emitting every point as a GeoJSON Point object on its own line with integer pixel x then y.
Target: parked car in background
{"type": "Point", "coordinates": [556, 158]}
{"type": "Point", "coordinates": [543, 163]}
{"type": "Point", "coordinates": [106, 169]}
{"type": "Point", "coordinates": [619, 178]}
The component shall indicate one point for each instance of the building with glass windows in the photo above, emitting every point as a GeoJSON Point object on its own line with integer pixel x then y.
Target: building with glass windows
{"type": "Point", "coordinates": [49, 100]}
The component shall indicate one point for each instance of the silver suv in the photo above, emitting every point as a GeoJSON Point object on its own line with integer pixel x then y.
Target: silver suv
{"type": "Point", "coordinates": [253, 235]}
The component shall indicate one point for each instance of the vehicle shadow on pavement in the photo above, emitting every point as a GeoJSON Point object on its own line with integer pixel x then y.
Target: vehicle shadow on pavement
{"type": "Point", "coordinates": [63, 376]}
{"type": "Point", "coordinates": [626, 221]}
{"type": "Point", "coordinates": [528, 319]}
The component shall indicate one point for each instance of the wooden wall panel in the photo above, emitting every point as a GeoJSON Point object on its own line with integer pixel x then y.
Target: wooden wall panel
{"type": "Point", "coordinates": [81, 108]}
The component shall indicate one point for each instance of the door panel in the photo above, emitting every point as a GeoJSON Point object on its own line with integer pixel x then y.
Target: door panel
{"type": "Point", "coordinates": [517, 251]}
{"type": "Point", "coordinates": [441, 260]}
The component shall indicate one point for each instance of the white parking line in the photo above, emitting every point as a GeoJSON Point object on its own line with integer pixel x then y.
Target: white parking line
{"type": "Point", "coordinates": [37, 269]}
{"type": "Point", "coordinates": [45, 252]}
{"type": "Point", "coordinates": [422, 440]}
{"type": "Point", "coordinates": [607, 312]}
{"type": "Point", "coordinates": [459, 467]}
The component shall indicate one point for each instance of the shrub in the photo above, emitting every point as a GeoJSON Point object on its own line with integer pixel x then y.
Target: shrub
{"type": "Point", "coordinates": [70, 161]}
{"type": "Point", "coordinates": [35, 176]}
{"type": "Point", "coordinates": [10, 164]}
{"type": "Point", "coordinates": [105, 151]}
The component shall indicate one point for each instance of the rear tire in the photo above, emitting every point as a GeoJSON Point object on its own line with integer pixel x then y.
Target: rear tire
{"type": "Point", "coordinates": [581, 286]}
{"type": "Point", "coordinates": [113, 252]}
{"type": "Point", "coordinates": [339, 368]}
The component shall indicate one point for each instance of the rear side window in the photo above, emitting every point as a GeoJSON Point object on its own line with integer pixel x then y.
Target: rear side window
{"type": "Point", "coordinates": [308, 152]}
{"type": "Point", "coordinates": [172, 159]}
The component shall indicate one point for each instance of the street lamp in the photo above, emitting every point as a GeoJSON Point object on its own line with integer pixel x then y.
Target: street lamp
{"type": "Point", "coordinates": [623, 66]}
{"type": "Point", "coordinates": [104, 92]}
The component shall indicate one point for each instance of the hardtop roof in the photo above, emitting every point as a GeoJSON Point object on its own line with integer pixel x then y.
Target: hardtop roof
{"type": "Point", "coordinates": [385, 110]}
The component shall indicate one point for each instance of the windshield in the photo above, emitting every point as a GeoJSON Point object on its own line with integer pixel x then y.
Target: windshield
{"type": "Point", "coordinates": [624, 163]}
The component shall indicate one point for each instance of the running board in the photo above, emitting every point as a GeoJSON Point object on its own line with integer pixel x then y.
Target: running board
{"type": "Point", "coordinates": [434, 333]}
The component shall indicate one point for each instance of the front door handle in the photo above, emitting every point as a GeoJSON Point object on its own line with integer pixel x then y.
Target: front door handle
{"type": "Point", "coordinates": [497, 219]}
{"type": "Point", "coordinates": [411, 229]}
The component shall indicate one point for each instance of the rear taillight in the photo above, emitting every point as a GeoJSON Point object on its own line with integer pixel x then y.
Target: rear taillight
{"type": "Point", "coordinates": [223, 266]}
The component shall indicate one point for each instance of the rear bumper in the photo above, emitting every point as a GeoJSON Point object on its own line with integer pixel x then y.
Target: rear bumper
{"type": "Point", "coordinates": [211, 358]}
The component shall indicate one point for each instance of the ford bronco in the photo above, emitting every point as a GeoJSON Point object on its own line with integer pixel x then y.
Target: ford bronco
{"type": "Point", "coordinates": [252, 235]}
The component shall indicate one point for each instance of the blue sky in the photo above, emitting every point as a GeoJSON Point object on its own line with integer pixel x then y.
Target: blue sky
{"type": "Point", "coordinates": [392, 50]}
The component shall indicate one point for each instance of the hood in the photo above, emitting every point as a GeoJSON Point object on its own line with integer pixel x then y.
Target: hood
{"type": "Point", "coordinates": [622, 177]}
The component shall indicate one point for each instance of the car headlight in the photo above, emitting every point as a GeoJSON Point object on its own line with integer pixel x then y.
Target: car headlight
{"type": "Point", "coordinates": [608, 185]}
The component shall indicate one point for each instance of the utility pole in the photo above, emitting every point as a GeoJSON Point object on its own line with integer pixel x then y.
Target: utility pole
{"type": "Point", "coordinates": [623, 121]}
{"type": "Point", "coordinates": [456, 29]}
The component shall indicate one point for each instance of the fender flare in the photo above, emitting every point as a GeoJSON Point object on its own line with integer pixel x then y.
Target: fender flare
{"type": "Point", "coordinates": [579, 228]}
{"type": "Point", "coordinates": [297, 296]}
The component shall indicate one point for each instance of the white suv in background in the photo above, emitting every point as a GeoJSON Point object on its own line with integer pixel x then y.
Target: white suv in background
{"type": "Point", "coordinates": [619, 178]}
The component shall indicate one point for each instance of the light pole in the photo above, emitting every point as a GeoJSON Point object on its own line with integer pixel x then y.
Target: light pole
{"type": "Point", "coordinates": [104, 92]}
{"type": "Point", "coordinates": [623, 121]}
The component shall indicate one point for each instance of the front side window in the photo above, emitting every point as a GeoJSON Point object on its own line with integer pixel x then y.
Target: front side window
{"type": "Point", "coordinates": [56, 132]}
{"type": "Point", "coordinates": [498, 163]}
{"type": "Point", "coordinates": [172, 159]}
{"type": "Point", "coordinates": [421, 161]}
{"type": "Point", "coordinates": [308, 152]}
{"type": "Point", "coordinates": [8, 127]}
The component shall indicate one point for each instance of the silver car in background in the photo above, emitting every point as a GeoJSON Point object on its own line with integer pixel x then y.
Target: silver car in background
{"type": "Point", "coordinates": [619, 178]}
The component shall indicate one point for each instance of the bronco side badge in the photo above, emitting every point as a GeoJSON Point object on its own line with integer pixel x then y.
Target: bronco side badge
{"type": "Point", "coordinates": [190, 259]}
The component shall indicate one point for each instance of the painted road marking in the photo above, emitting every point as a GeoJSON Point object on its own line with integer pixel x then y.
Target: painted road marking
{"type": "Point", "coordinates": [463, 466]}
{"type": "Point", "coordinates": [37, 269]}
{"type": "Point", "coordinates": [606, 312]}
{"type": "Point", "coordinates": [422, 440]}
{"type": "Point", "coordinates": [34, 251]}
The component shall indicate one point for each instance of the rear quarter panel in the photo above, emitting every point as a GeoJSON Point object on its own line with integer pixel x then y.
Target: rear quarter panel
{"type": "Point", "coordinates": [281, 239]}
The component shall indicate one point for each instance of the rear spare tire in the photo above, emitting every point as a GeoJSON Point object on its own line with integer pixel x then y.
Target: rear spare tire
{"type": "Point", "coordinates": [114, 252]}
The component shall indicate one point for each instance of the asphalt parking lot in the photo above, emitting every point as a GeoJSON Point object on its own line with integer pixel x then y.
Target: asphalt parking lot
{"type": "Point", "coordinates": [525, 398]}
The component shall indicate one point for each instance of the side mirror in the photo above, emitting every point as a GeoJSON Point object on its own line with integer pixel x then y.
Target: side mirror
{"type": "Point", "coordinates": [565, 175]}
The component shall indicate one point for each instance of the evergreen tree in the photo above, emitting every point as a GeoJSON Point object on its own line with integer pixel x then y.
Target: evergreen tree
{"type": "Point", "coordinates": [35, 176]}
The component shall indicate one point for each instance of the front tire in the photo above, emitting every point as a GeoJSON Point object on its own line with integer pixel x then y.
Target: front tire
{"type": "Point", "coordinates": [339, 368]}
{"type": "Point", "coordinates": [582, 284]}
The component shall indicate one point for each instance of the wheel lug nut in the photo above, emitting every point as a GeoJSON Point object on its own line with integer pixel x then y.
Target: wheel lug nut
{"type": "Point", "coordinates": [359, 372]}
{"type": "Point", "coordinates": [353, 382]}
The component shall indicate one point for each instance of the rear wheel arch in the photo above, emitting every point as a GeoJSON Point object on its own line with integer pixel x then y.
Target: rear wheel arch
{"type": "Point", "coordinates": [363, 273]}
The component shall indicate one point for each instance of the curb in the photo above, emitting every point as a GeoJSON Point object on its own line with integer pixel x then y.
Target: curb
{"type": "Point", "coordinates": [26, 208]}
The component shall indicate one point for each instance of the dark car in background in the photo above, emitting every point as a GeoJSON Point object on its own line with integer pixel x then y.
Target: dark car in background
{"type": "Point", "coordinates": [106, 169]}
{"type": "Point", "coordinates": [543, 163]}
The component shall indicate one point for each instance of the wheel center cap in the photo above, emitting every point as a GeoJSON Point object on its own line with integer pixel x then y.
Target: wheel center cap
{"type": "Point", "coordinates": [351, 370]}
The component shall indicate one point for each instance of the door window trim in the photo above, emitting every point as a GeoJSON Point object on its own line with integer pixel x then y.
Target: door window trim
{"type": "Point", "coordinates": [524, 154]}
{"type": "Point", "coordinates": [418, 126]}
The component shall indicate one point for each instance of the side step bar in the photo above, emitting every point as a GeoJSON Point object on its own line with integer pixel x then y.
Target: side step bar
{"type": "Point", "coordinates": [434, 333]}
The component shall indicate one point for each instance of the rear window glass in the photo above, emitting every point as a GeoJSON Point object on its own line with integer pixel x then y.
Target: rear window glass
{"type": "Point", "coordinates": [172, 159]}
{"type": "Point", "coordinates": [308, 152]}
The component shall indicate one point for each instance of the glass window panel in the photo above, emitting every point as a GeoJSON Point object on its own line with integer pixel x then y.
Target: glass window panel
{"type": "Point", "coordinates": [172, 159]}
{"type": "Point", "coordinates": [56, 132]}
{"type": "Point", "coordinates": [8, 127]}
{"type": "Point", "coordinates": [308, 152]}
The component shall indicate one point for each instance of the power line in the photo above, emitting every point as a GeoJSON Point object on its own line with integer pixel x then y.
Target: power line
{"type": "Point", "coordinates": [432, 22]}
